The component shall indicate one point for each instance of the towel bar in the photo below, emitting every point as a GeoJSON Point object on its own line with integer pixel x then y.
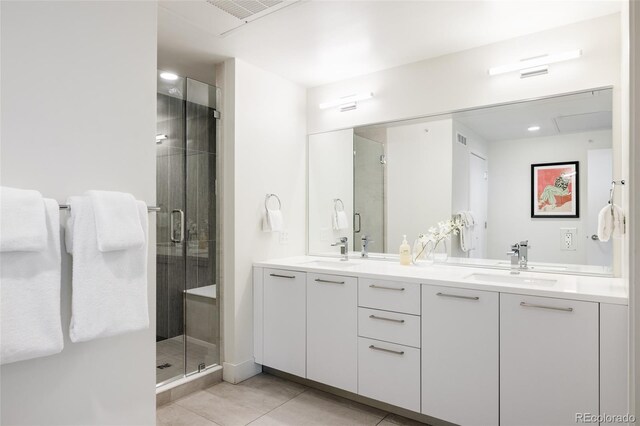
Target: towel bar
{"type": "Point", "coordinates": [149, 208]}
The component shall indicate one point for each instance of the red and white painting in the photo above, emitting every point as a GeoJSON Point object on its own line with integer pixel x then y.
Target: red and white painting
{"type": "Point", "coordinates": [554, 190]}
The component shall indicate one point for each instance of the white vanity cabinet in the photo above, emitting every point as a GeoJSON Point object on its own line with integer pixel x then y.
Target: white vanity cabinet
{"type": "Point", "coordinates": [548, 360]}
{"type": "Point", "coordinates": [460, 355]}
{"type": "Point", "coordinates": [332, 329]}
{"type": "Point", "coordinates": [284, 320]}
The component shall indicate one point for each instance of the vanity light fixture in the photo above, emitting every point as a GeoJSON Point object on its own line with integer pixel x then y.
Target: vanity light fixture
{"type": "Point", "coordinates": [168, 76]}
{"type": "Point", "coordinates": [537, 65]}
{"type": "Point", "coordinates": [347, 103]}
{"type": "Point", "coordinates": [533, 128]}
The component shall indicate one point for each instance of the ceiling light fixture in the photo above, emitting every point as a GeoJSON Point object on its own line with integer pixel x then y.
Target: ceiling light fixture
{"type": "Point", "coordinates": [537, 65]}
{"type": "Point", "coordinates": [533, 128]}
{"type": "Point", "coordinates": [168, 76]}
{"type": "Point", "coordinates": [347, 103]}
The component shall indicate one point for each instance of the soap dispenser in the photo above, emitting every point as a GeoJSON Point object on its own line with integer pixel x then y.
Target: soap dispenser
{"type": "Point", "coordinates": [405, 252]}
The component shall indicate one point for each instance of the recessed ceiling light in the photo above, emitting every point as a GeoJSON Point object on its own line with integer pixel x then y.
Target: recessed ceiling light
{"type": "Point", "coordinates": [168, 76]}
{"type": "Point", "coordinates": [533, 128]}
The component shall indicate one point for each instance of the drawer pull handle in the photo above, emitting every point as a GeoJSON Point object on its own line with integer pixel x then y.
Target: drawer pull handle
{"type": "Point", "coordinates": [386, 319]}
{"type": "Point", "coordinates": [318, 280]}
{"type": "Point", "coordinates": [457, 296]}
{"type": "Point", "coordinates": [283, 276]}
{"type": "Point", "coordinates": [375, 348]}
{"type": "Point", "coordinates": [387, 288]}
{"type": "Point", "coordinates": [531, 305]}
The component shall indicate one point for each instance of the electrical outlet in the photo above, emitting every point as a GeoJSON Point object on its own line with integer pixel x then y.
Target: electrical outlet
{"type": "Point", "coordinates": [568, 239]}
{"type": "Point", "coordinates": [284, 237]}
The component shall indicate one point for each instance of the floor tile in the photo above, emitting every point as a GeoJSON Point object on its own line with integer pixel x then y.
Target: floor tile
{"type": "Point", "coordinates": [221, 410]}
{"type": "Point", "coordinates": [319, 408]}
{"type": "Point", "coordinates": [174, 415]}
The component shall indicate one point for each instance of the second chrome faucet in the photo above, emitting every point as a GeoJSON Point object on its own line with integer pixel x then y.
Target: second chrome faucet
{"type": "Point", "coordinates": [343, 243]}
{"type": "Point", "coordinates": [519, 255]}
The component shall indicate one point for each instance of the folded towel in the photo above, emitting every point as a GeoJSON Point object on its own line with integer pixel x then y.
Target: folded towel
{"type": "Point", "coordinates": [109, 288]}
{"type": "Point", "coordinates": [611, 222]}
{"type": "Point", "coordinates": [30, 325]}
{"type": "Point", "coordinates": [273, 221]}
{"type": "Point", "coordinates": [340, 220]}
{"type": "Point", "coordinates": [466, 231]}
{"type": "Point", "coordinates": [118, 226]}
{"type": "Point", "coordinates": [22, 220]}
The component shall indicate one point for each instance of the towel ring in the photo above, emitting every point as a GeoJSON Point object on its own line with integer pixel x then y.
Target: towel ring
{"type": "Point", "coordinates": [612, 191]}
{"type": "Point", "coordinates": [268, 197]}
{"type": "Point", "coordinates": [335, 205]}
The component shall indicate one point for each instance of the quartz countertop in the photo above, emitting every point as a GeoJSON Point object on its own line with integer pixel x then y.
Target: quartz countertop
{"type": "Point", "coordinates": [576, 287]}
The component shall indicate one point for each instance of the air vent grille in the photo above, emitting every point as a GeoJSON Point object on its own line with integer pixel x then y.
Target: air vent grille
{"type": "Point", "coordinates": [244, 9]}
{"type": "Point", "coordinates": [461, 139]}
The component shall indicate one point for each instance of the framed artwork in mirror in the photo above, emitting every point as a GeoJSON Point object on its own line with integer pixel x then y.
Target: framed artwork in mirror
{"type": "Point", "coordinates": [555, 190]}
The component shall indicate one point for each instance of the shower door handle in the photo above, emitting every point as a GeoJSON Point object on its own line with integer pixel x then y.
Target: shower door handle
{"type": "Point", "coordinates": [357, 215]}
{"type": "Point", "coordinates": [180, 228]}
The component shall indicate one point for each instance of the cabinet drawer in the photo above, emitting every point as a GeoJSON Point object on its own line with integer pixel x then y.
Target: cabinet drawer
{"type": "Point", "coordinates": [393, 327]}
{"type": "Point", "coordinates": [389, 295]}
{"type": "Point", "coordinates": [389, 373]}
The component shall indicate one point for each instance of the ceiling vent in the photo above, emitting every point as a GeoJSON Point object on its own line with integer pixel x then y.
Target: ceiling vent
{"type": "Point", "coordinates": [462, 139]}
{"type": "Point", "coordinates": [250, 10]}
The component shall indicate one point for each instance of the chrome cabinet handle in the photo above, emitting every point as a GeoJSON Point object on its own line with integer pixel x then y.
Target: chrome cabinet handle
{"type": "Point", "coordinates": [375, 348]}
{"type": "Point", "coordinates": [386, 288]}
{"type": "Point", "coordinates": [174, 239]}
{"type": "Point", "coordinates": [282, 276]}
{"type": "Point", "coordinates": [318, 280]}
{"type": "Point", "coordinates": [554, 308]}
{"type": "Point", "coordinates": [386, 319]}
{"type": "Point", "coordinates": [457, 296]}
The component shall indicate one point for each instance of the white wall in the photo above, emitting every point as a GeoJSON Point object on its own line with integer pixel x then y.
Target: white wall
{"type": "Point", "coordinates": [79, 113]}
{"type": "Point", "coordinates": [330, 177]}
{"type": "Point", "coordinates": [264, 151]}
{"type": "Point", "coordinates": [460, 80]}
{"type": "Point", "coordinates": [510, 191]}
{"type": "Point", "coordinates": [418, 179]}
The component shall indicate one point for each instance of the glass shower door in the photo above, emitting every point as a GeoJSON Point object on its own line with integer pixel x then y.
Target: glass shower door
{"type": "Point", "coordinates": [202, 322]}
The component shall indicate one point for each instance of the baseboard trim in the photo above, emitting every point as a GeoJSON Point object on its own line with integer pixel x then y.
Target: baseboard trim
{"type": "Point", "coordinates": [236, 373]}
{"type": "Point", "coordinates": [185, 386]}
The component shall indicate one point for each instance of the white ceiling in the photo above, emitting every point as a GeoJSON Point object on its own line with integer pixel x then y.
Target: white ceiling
{"type": "Point", "coordinates": [314, 42]}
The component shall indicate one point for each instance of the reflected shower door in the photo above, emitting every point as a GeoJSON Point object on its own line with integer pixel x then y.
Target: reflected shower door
{"type": "Point", "coordinates": [368, 193]}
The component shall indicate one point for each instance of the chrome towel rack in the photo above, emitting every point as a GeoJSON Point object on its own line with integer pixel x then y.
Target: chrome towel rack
{"type": "Point", "coordinates": [149, 208]}
{"type": "Point", "coordinates": [268, 197]}
{"type": "Point", "coordinates": [612, 191]}
{"type": "Point", "coordinates": [335, 204]}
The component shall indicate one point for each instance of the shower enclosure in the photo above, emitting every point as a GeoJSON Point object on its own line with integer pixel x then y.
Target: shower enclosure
{"type": "Point", "coordinates": [187, 295]}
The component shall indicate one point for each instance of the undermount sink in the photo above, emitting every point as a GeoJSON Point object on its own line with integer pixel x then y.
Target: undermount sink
{"type": "Point", "coordinates": [331, 264]}
{"type": "Point", "coordinates": [510, 279]}
{"type": "Point", "coordinates": [539, 266]}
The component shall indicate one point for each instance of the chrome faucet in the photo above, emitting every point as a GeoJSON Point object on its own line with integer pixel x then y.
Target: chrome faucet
{"type": "Point", "coordinates": [343, 243]}
{"type": "Point", "coordinates": [366, 240]}
{"type": "Point", "coordinates": [519, 254]}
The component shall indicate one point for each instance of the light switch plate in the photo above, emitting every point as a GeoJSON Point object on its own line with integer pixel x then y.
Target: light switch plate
{"type": "Point", "coordinates": [568, 239]}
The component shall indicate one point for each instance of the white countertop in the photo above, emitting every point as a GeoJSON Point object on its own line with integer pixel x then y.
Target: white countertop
{"type": "Point", "coordinates": [577, 287]}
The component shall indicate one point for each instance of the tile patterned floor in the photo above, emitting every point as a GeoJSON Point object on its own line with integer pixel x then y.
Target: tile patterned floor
{"type": "Point", "coordinates": [170, 351]}
{"type": "Point", "coordinates": [269, 400]}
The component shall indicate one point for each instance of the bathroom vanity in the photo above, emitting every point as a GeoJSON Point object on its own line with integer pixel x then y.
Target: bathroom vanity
{"type": "Point", "coordinates": [461, 344]}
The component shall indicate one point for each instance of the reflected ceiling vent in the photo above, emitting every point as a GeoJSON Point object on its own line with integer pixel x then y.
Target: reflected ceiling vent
{"type": "Point", "coordinates": [462, 139]}
{"type": "Point", "coordinates": [250, 10]}
{"type": "Point", "coordinates": [584, 122]}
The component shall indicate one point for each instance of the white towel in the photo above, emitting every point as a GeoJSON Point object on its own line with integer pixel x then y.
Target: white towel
{"type": "Point", "coordinates": [611, 222]}
{"type": "Point", "coordinates": [22, 220]}
{"type": "Point", "coordinates": [340, 220]}
{"type": "Point", "coordinates": [30, 297]}
{"type": "Point", "coordinates": [118, 226]}
{"type": "Point", "coordinates": [109, 288]}
{"type": "Point", "coordinates": [466, 231]}
{"type": "Point", "coordinates": [272, 221]}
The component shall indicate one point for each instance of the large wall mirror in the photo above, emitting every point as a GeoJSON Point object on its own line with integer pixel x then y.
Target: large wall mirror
{"type": "Point", "coordinates": [538, 170]}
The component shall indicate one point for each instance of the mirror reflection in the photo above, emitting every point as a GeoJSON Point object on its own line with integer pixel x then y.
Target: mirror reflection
{"type": "Point", "coordinates": [522, 182]}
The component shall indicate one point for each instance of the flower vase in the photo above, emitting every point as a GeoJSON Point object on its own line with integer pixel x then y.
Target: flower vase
{"type": "Point", "coordinates": [422, 247]}
{"type": "Point", "coordinates": [440, 254]}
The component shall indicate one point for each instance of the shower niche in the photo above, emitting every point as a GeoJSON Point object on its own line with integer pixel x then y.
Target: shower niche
{"type": "Point", "coordinates": [187, 294]}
